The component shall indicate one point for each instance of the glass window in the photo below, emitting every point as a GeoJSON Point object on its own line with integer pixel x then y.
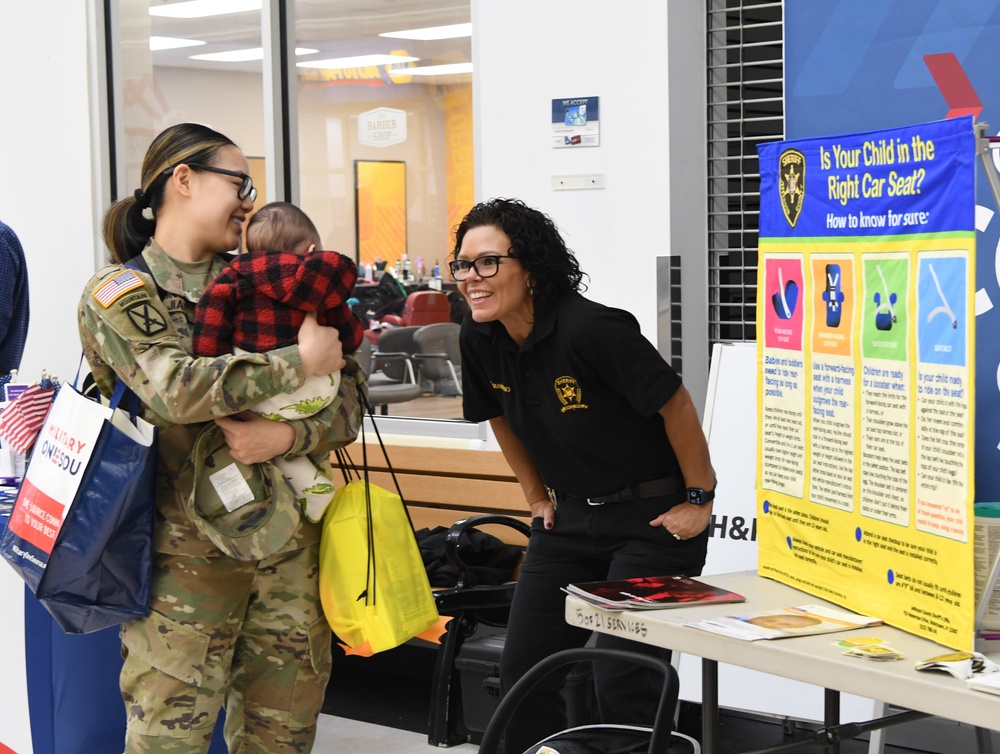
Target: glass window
{"type": "Point", "coordinates": [384, 126]}
{"type": "Point", "coordinates": [385, 161]}
{"type": "Point", "coordinates": [179, 65]}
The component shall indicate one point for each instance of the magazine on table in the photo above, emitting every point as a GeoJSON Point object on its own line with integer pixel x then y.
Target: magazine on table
{"type": "Point", "coordinates": [802, 620]}
{"type": "Point", "coordinates": [650, 593]}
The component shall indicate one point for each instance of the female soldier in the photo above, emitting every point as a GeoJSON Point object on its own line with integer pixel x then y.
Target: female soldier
{"type": "Point", "coordinates": [234, 606]}
{"type": "Point", "coordinates": [592, 420]}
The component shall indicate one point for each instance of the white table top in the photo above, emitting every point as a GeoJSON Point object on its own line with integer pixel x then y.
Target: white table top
{"type": "Point", "coordinates": [811, 659]}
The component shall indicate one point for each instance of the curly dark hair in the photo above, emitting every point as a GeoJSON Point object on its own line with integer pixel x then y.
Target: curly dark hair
{"type": "Point", "coordinates": [535, 241]}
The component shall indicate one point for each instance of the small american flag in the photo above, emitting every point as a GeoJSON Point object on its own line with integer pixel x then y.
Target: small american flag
{"type": "Point", "coordinates": [23, 418]}
{"type": "Point", "coordinates": [111, 290]}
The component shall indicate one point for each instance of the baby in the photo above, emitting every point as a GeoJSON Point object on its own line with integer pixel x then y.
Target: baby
{"type": "Point", "coordinates": [258, 304]}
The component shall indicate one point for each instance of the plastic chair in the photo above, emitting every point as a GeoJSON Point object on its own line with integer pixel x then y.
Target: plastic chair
{"type": "Point", "coordinates": [394, 355]}
{"type": "Point", "coordinates": [381, 390]}
{"type": "Point", "coordinates": [470, 607]}
{"type": "Point", "coordinates": [595, 739]}
{"type": "Point", "coordinates": [437, 355]}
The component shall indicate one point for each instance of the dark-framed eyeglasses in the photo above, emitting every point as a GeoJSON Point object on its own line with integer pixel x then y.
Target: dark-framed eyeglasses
{"type": "Point", "coordinates": [485, 266]}
{"type": "Point", "coordinates": [246, 188]}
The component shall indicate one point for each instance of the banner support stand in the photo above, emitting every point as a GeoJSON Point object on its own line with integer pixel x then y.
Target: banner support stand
{"type": "Point", "coordinates": [984, 144]}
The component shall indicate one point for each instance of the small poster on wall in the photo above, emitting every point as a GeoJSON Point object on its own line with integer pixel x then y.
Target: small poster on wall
{"type": "Point", "coordinates": [576, 122]}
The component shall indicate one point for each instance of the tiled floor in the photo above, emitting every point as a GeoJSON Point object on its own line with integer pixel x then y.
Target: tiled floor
{"type": "Point", "coordinates": [338, 735]}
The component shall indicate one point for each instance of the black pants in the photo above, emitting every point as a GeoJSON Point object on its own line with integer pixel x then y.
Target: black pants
{"type": "Point", "coordinates": [588, 543]}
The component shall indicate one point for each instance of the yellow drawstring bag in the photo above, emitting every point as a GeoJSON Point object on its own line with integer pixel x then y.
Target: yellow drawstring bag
{"type": "Point", "coordinates": [372, 580]}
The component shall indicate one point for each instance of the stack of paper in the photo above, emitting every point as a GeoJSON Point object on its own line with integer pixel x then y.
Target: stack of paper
{"type": "Point", "coordinates": [988, 682]}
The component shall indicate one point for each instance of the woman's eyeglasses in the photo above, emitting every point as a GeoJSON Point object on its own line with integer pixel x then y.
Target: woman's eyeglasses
{"type": "Point", "coordinates": [246, 188]}
{"type": "Point", "coordinates": [486, 266]}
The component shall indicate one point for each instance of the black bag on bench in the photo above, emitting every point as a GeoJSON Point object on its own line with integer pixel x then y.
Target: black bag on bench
{"type": "Point", "coordinates": [488, 560]}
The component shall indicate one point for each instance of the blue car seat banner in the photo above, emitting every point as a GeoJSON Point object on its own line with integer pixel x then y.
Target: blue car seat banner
{"type": "Point", "coordinates": [909, 180]}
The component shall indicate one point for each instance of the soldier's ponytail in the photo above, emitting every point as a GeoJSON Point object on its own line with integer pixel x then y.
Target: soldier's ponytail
{"type": "Point", "coordinates": [126, 230]}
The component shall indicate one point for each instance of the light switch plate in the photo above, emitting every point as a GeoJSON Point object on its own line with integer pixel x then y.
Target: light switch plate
{"type": "Point", "coordinates": [565, 182]}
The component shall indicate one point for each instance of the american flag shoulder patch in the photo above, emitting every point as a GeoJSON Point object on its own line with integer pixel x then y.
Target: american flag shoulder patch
{"type": "Point", "coordinates": [113, 289]}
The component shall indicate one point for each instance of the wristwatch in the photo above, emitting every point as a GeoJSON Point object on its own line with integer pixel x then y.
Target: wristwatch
{"type": "Point", "coordinates": [698, 496]}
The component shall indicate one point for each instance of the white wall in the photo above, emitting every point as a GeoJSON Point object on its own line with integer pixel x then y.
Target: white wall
{"type": "Point", "coordinates": [47, 195]}
{"type": "Point", "coordinates": [527, 53]}
{"type": "Point", "coordinates": [577, 48]}
{"type": "Point", "coordinates": [47, 191]}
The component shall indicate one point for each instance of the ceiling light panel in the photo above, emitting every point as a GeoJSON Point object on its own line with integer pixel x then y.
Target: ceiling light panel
{"type": "Point", "coordinates": [357, 61]}
{"type": "Point", "coordinates": [448, 69]}
{"type": "Point", "coordinates": [172, 43]}
{"type": "Point", "coordinates": [453, 31]}
{"type": "Point", "coordinates": [204, 8]}
{"type": "Point", "coordinates": [232, 56]}
{"type": "Point", "coordinates": [240, 56]}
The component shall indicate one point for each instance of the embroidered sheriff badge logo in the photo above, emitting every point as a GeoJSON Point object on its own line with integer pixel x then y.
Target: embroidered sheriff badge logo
{"type": "Point", "coordinates": [569, 393]}
{"type": "Point", "coordinates": [792, 183]}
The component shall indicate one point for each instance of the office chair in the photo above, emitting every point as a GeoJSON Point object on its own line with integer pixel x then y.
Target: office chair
{"type": "Point", "coordinates": [382, 390]}
{"type": "Point", "coordinates": [426, 308]}
{"type": "Point", "coordinates": [394, 355]}
{"type": "Point", "coordinates": [422, 308]}
{"type": "Point", "coordinates": [439, 357]}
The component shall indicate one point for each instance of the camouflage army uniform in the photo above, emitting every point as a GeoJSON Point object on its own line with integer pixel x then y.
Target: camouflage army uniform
{"type": "Point", "coordinates": [251, 629]}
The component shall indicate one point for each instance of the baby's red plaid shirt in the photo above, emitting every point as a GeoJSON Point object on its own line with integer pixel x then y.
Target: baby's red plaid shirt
{"type": "Point", "coordinates": [259, 302]}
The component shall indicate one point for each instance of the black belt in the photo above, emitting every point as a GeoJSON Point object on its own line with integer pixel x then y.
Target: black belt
{"type": "Point", "coordinates": [641, 491]}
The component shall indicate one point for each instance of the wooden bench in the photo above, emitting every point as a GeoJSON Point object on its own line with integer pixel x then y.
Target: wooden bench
{"type": "Point", "coordinates": [442, 485]}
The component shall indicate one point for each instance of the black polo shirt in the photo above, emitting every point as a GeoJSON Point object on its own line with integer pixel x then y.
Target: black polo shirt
{"type": "Point", "coordinates": [583, 394]}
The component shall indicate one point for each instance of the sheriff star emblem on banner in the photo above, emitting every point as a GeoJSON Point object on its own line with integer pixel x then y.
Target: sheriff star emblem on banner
{"type": "Point", "coordinates": [792, 183]}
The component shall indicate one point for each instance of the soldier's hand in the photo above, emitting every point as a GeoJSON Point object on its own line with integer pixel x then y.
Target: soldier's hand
{"type": "Point", "coordinates": [254, 439]}
{"type": "Point", "coordinates": [319, 348]}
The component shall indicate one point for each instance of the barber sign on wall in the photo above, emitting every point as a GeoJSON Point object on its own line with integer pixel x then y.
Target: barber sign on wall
{"type": "Point", "coordinates": [382, 127]}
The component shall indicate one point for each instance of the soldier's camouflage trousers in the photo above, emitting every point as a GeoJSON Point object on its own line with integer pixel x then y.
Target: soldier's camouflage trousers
{"type": "Point", "coordinates": [250, 635]}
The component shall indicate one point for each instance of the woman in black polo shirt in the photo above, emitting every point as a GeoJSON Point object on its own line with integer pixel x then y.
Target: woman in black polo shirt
{"type": "Point", "coordinates": [601, 434]}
